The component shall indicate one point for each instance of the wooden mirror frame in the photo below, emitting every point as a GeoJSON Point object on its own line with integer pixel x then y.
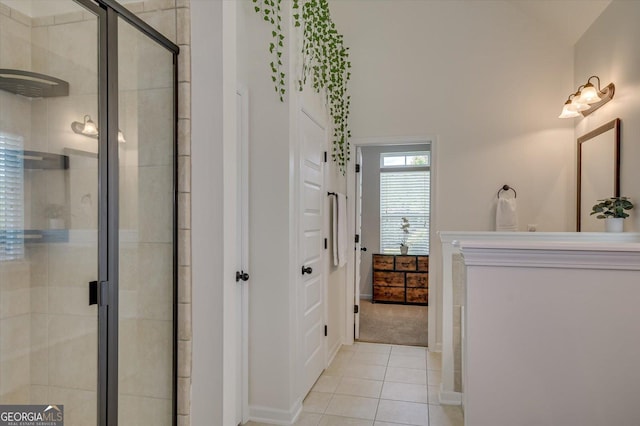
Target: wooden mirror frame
{"type": "Point", "coordinates": [612, 125]}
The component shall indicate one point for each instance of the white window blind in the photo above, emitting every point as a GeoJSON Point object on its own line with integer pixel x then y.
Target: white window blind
{"type": "Point", "coordinates": [11, 198]}
{"type": "Point", "coordinates": [404, 194]}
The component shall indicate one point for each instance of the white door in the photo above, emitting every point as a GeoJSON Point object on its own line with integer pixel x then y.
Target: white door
{"type": "Point", "coordinates": [242, 259]}
{"type": "Point", "coordinates": [311, 292]}
{"type": "Point", "coordinates": [359, 248]}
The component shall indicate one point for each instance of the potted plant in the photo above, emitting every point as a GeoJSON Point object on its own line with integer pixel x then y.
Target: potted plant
{"type": "Point", "coordinates": [612, 210]}
{"type": "Point", "coordinates": [404, 247]}
{"type": "Point", "coordinates": [54, 213]}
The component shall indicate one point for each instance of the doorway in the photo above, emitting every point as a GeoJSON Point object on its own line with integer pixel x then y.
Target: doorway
{"type": "Point", "coordinates": [87, 213]}
{"type": "Point", "coordinates": [393, 211]}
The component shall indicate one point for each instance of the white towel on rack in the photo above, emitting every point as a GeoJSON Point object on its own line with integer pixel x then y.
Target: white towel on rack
{"type": "Point", "coordinates": [506, 215]}
{"type": "Point", "coordinates": [339, 229]}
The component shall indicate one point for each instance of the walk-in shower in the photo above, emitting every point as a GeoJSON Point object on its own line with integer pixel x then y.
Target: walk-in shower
{"type": "Point", "coordinates": [87, 211]}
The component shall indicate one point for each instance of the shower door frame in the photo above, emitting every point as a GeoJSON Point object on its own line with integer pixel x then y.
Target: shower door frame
{"type": "Point", "coordinates": [108, 12]}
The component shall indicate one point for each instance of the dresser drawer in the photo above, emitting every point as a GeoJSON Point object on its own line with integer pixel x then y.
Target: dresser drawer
{"type": "Point", "coordinates": [388, 294]}
{"type": "Point", "coordinates": [405, 263]}
{"type": "Point", "coordinates": [417, 295]}
{"type": "Point", "coordinates": [384, 263]}
{"type": "Point", "coordinates": [423, 263]}
{"type": "Point", "coordinates": [391, 279]}
{"type": "Point", "coordinates": [418, 279]}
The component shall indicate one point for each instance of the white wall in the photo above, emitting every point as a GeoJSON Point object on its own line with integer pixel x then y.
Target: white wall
{"type": "Point", "coordinates": [274, 157]}
{"type": "Point", "coordinates": [609, 50]}
{"type": "Point", "coordinates": [207, 212]}
{"type": "Point", "coordinates": [489, 82]}
{"type": "Point", "coordinates": [371, 208]}
{"type": "Point", "coordinates": [270, 327]}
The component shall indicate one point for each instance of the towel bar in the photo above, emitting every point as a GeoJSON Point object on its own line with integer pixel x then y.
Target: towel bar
{"type": "Point", "coordinates": [506, 188]}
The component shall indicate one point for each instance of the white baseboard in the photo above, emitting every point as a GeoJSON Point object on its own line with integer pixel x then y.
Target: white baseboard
{"type": "Point", "coordinates": [449, 397]}
{"type": "Point", "coordinates": [274, 416]}
{"type": "Point", "coordinates": [333, 352]}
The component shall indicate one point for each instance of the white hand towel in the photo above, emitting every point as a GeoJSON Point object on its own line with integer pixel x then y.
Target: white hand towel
{"type": "Point", "coordinates": [342, 229]}
{"type": "Point", "coordinates": [334, 229]}
{"type": "Point", "coordinates": [506, 215]}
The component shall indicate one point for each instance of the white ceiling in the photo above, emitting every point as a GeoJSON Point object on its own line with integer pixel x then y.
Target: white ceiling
{"type": "Point", "coordinates": [569, 19]}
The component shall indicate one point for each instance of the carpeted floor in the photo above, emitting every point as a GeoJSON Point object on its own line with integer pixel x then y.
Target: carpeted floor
{"type": "Point", "coordinates": [395, 324]}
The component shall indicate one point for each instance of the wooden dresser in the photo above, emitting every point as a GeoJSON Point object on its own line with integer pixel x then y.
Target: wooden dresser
{"type": "Point", "coordinates": [401, 279]}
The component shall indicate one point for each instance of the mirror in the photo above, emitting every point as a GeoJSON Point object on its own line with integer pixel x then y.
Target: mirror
{"type": "Point", "coordinates": [598, 172]}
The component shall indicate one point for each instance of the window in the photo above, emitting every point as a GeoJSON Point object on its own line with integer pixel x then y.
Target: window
{"type": "Point", "coordinates": [404, 192]}
{"type": "Point", "coordinates": [11, 198]}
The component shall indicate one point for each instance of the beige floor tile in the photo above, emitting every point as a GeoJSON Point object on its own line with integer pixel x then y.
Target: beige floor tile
{"type": "Point", "coordinates": [335, 370]}
{"type": "Point", "coordinates": [408, 361]}
{"type": "Point", "coordinates": [386, 424]}
{"type": "Point", "coordinates": [373, 347]}
{"type": "Point", "coordinates": [434, 394]}
{"type": "Point", "coordinates": [403, 412]}
{"type": "Point", "coordinates": [257, 424]}
{"type": "Point", "coordinates": [409, 350]}
{"type": "Point", "coordinates": [316, 402]}
{"type": "Point", "coordinates": [352, 406]}
{"type": "Point", "coordinates": [406, 375]}
{"type": "Point", "coordinates": [308, 419]}
{"type": "Point", "coordinates": [359, 387]}
{"type": "Point", "coordinates": [364, 371]}
{"type": "Point", "coordinates": [342, 357]}
{"type": "Point", "coordinates": [404, 392]}
{"type": "Point", "coordinates": [347, 348]}
{"type": "Point", "coordinates": [445, 415]}
{"type": "Point", "coordinates": [326, 383]}
{"type": "Point", "coordinates": [328, 420]}
{"type": "Point", "coordinates": [434, 377]}
{"type": "Point", "coordinates": [371, 358]}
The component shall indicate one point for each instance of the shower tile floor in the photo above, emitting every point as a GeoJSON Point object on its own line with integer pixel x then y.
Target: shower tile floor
{"type": "Point", "coordinates": [371, 384]}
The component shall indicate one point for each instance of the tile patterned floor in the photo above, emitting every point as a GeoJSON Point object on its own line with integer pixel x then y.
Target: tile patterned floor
{"type": "Point", "coordinates": [370, 384]}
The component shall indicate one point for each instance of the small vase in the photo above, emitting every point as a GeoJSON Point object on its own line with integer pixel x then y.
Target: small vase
{"type": "Point", "coordinates": [613, 224]}
{"type": "Point", "coordinates": [404, 250]}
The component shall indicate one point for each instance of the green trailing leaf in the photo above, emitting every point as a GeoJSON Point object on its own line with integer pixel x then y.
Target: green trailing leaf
{"type": "Point", "coordinates": [270, 12]}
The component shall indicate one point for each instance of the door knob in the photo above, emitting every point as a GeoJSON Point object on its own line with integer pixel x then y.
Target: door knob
{"type": "Point", "coordinates": [306, 270]}
{"type": "Point", "coordinates": [363, 248]}
{"type": "Point", "coordinates": [241, 275]}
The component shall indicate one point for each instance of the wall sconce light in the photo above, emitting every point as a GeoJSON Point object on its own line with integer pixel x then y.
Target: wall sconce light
{"type": "Point", "coordinates": [587, 99]}
{"type": "Point", "coordinates": [89, 128]}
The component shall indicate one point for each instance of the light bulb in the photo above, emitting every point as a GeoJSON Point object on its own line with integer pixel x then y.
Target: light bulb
{"type": "Point", "coordinates": [589, 95]}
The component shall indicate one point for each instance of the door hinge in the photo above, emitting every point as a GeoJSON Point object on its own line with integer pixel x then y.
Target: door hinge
{"type": "Point", "coordinates": [325, 156]}
{"type": "Point", "coordinates": [98, 293]}
{"type": "Point", "coordinates": [326, 244]}
{"type": "Point", "coordinates": [357, 168]}
{"type": "Point", "coordinates": [356, 309]}
{"type": "Point", "coordinates": [357, 238]}
{"type": "Point", "coordinates": [325, 331]}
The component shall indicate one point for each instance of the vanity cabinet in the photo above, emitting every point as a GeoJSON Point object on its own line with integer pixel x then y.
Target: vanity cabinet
{"type": "Point", "coordinates": [401, 279]}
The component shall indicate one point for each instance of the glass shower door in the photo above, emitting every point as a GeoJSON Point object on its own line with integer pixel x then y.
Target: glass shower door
{"type": "Point", "coordinates": [49, 198]}
{"type": "Point", "coordinates": [147, 197]}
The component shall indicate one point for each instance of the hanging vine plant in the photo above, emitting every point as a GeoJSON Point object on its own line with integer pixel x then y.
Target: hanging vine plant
{"type": "Point", "coordinates": [270, 12]}
{"type": "Point", "coordinates": [325, 59]}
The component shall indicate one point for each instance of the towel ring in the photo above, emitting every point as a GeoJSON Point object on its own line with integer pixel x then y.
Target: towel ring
{"type": "Point", "coordinates": [506, 188]}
